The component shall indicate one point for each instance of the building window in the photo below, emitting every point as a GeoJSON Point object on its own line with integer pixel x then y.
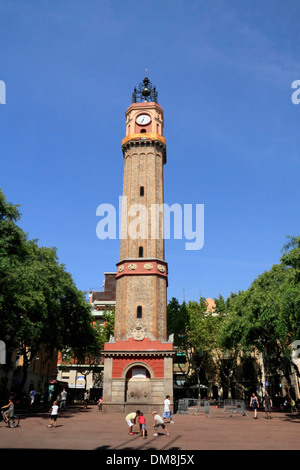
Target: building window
{"type": "Point", "coordinates": [139, 312]}
{"type": "Point", "coordinates": [141, 252]}
{"type": "Point", "coordinates": [142, 191]}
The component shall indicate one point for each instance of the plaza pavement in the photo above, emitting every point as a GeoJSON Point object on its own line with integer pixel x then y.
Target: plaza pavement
{"type": "Point", "coordinates": [79, 429]}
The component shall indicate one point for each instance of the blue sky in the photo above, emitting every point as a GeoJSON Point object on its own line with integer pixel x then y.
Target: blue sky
{"type": "Point", "coordinates": [223, 71]}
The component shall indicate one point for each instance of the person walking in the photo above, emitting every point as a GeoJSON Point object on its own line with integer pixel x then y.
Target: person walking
{"type": "Point", "coordinates": [131, 420]}
{"type": "Point", "coordinates": [32, 395]}
{"type": "Point", "coordinates": [167, 410]}
{"type": "Point", "coordinates": [268, 405]}
{"type": "Point", "coordinates": [85, 399]}
{"type": "Point", "coordinates": [254, 404]}
{"type": "Point", "coordinates": [293, 405]}
{"type": "Point", "coordinates": [63, 397]}
{"type": "Point", "coordinates": [53, 417]}
{"type": "Point", "coordinates": [158, 421]}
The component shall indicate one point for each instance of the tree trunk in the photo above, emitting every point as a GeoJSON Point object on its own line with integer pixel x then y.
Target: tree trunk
{"type": "Point", "coordinates": [25, 373]}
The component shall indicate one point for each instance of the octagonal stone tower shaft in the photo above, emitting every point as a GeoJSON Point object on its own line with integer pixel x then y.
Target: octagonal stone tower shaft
{"type": "Point", "coordinates": [141, 291]}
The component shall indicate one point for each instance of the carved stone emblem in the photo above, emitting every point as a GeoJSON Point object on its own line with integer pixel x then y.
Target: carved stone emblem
{"type": "Point", "coordinates": [132, 266]}
{"type": "Point", "coordinates": [121, 268]}
{"type": "Point", "coordinates": [138, 333]}
{"type": "Point", "coordinates": [161, 268]}
{"type": "Point", "coordinates": [148, 266]}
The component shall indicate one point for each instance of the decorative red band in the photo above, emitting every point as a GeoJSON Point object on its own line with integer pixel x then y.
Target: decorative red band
{"type": "Point", "coordinates": [142, 267]}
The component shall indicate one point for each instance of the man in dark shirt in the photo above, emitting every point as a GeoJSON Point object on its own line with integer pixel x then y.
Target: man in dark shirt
{"type": "Point", "coordinates": [268, 405]}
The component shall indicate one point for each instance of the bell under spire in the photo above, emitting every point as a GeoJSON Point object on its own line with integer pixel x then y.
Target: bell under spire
{"type": "Point", "coordinates": [145, 92]}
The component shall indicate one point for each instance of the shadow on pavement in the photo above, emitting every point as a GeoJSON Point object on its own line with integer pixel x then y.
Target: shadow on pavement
{"type": "Point", "coordinates": [44, 412]}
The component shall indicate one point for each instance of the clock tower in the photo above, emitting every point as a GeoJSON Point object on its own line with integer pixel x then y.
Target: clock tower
{"type": "Point", "coordinates": [138, 360]}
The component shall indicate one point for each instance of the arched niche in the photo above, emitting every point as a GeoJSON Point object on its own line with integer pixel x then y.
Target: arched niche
{"type": "Point", "coordinates": [137, 383]}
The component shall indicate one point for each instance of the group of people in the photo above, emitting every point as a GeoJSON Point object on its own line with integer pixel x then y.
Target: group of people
{"type": "Point", "coordinates": [138, 418]}
{"type": "Point", "coordinates": [289, 404]}
{"type": "Point", "coordinates": [267, 404]}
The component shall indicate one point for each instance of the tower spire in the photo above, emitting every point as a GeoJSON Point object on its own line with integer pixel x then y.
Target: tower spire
{"type": "Point", "coordinates": [145, 92]}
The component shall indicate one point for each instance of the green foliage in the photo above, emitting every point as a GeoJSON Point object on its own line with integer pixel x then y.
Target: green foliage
{"type": "Point", "coordinates": [106, 330]}
{"type": "Point", "coordinates": [177, 320]}
{"type": "Point", "coordinates": [195, 332]}
{"type": "Point", "coordinates": [266, 316]}
{"type": "Point", "coordinates": [39, 302]}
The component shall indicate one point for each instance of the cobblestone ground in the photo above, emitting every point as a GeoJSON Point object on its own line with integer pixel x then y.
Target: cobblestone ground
{"type": "Point", "coordinates": [79, 429]}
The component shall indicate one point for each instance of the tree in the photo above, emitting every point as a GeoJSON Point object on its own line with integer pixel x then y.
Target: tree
{"type": "Point", "coordinates": [177, 320]}
{"type": "Point", "coordinates": [87, 358]}
{"type": "Point", "coordinates": [202, 338]}
{"type": "Point", "coordinates": [106, 330]}
{"type": "Point", "coordinates": [195, 332]}
{"type": "Point", "coordinates": [266, 316]}
{"type": "Point", "coordinates": [39, 302]}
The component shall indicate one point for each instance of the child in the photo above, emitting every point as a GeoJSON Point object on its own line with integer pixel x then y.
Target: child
{"type": "Point", "coordinates": [158, 421]}
{"type": "Point", "coordinates": [142, 423]}
{"type": "Point", "coordinates": [11, 409]}
{"type": "Point", "coordinates": [53, 417]}
{"type": "Point", "coordinates": [100, 403]}
{"type": "Point", "coordinates": [131, 419]}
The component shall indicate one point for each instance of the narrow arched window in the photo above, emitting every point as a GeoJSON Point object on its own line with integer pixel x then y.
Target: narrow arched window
{"type": "Point", "coordinates": [142, 191]}
{"type": "Point", "coordinates": [141, 252]}
{"type": "Point", "coordinates": [139, 312]}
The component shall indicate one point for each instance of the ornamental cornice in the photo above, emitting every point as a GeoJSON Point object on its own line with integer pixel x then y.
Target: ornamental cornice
{"type": "Point", "coordinates": [146, 140]}
{"type": "Point", "coordinates": [142, 266]}
{"type": "Point", "coordinates": [110, 353]}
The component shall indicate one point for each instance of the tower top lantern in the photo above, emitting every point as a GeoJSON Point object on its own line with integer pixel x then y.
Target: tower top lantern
{"type": "Point", "coordinates": [145, 92]}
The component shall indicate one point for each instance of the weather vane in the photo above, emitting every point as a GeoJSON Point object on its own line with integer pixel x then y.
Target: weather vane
{"type": "Point", "coordinates": [145, 92]}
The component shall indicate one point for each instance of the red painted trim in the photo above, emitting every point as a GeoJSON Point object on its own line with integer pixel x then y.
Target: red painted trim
{"type": "Point", "coordinates": [137, 267]}
{"type": "Point", "coordinates": [134, 345]}
{"type": "Point", "coordinates": [156, 365]}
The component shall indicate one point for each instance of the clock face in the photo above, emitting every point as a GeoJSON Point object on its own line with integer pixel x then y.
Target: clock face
{"type": "Point", "coordinates": [143, 119]}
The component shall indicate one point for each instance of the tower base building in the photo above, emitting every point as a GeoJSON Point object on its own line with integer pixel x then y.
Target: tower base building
{"type": "Point", "coordinates": [137, 375]}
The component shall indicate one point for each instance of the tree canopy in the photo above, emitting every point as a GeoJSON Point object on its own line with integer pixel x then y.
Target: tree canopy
{"type": "Point", "coordinates": [39, 301]}
{"type": "Point", "coordinates": [195, 332]}
{"type": "Point", "coordinates": [266, 316]}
